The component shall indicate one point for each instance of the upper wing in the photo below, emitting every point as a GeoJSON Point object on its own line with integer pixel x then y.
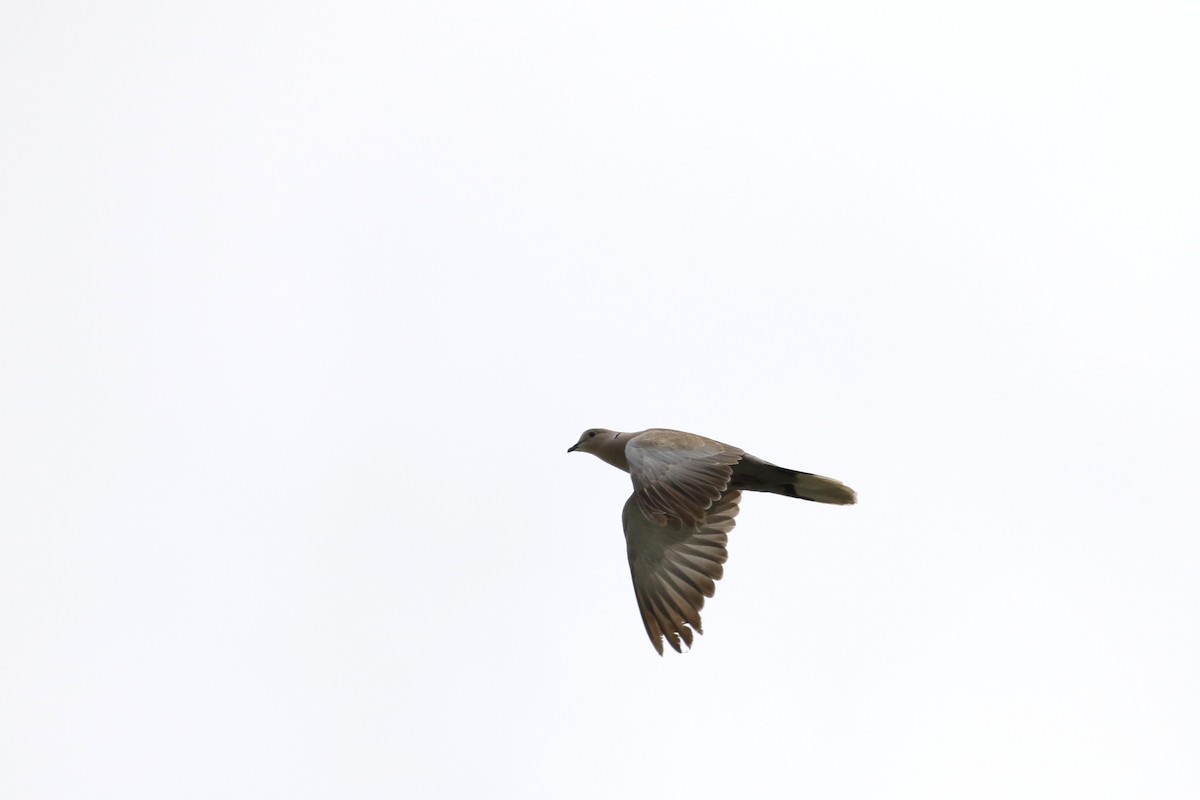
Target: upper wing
{"type": "Point", "coordinates": [677, 476]}
{"type": "Point", "coordinates": [674, 569]}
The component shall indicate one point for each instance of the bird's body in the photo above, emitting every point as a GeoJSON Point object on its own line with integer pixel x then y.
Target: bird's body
{"type": "Point", "coordinates": [686, 490]}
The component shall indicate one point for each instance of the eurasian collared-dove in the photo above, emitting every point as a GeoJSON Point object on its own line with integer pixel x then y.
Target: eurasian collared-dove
{"type": "Point", "coordinates": [686, 490]}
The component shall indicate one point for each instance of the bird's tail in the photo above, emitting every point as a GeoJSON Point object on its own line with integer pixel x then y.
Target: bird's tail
{"type": "Point", "coordinates": [823, 490]}
{"type": "Point", "coordinates": [757, 475]}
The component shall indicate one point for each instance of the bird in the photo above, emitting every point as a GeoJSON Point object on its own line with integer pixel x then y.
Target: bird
{"type": "Point", "coordinates": [686, 490]}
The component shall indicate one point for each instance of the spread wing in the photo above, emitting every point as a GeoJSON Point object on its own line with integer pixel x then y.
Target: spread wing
{"type": "Point", "coordinates": [677, 476]}
{"type": "Point", "coordinates": [674, 569]}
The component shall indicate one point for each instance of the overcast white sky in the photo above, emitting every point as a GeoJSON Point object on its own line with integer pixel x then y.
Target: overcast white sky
{"type": "Point", "coordinates": [302, 304]}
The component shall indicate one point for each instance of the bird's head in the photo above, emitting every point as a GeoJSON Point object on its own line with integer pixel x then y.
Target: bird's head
{"type": "Point", "coordinates": [592, 440]}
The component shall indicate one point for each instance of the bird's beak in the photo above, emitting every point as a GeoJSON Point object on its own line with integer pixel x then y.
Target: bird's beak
{"type": "Point", "coordinates": [571, 449]}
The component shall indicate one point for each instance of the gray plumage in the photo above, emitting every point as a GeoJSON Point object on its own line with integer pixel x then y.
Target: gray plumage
{"type": "Point", "coordinates": [686, 490]}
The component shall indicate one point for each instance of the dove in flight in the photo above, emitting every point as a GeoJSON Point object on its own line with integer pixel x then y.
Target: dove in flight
{"type": "Point", "coordinates": [686, 490]}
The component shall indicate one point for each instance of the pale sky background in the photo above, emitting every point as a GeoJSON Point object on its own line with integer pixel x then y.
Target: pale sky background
{"type": "Point", "coordinates": [302, 304]}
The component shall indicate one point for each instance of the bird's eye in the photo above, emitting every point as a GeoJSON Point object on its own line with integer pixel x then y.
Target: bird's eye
{"type": "Point", "coordinates": [591, 434]}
